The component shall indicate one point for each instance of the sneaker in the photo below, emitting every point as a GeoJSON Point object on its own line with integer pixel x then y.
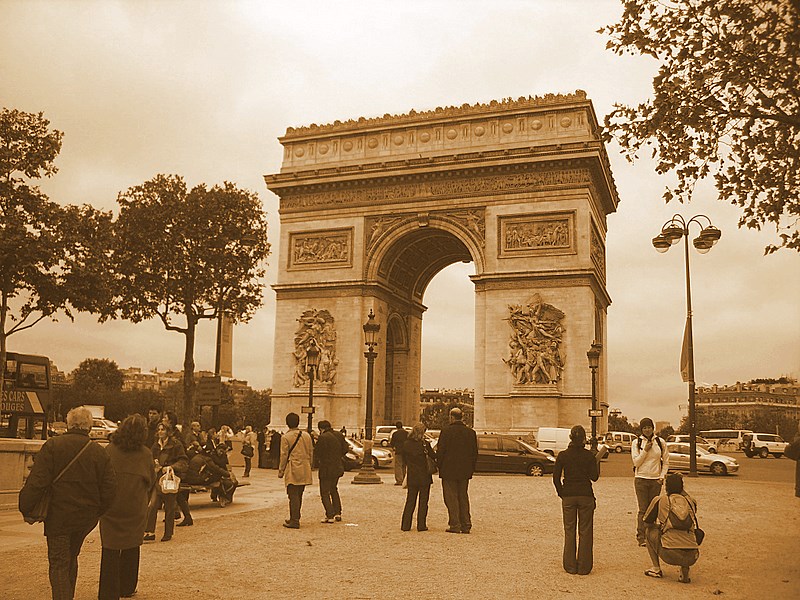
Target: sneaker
{"type": "Point", "coordinates": [185, 523]}
{"type": "Point", "coordinates": [642, 543]}
{"type": "Point", "coordinates": [327, 520]}
{"type": "Point", "coordinates": [166, 538]}
{"type": "Point", "coordinates": [149, 537]}
{"type": "Point", "coordinates": [337, 518]}
{"type": "Point", "coordinates": [290, 525]}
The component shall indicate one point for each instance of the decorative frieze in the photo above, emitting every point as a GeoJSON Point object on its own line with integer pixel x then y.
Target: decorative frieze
{"type": "Point", "coordinates": [471, 220]}
{"type": "Point", "coordinates": [598, 252]}
{"type": "Point", "coordinates": [507, 183]}
{"type": "Point", "coordinates": [536, 234]}
{"type": "Point", "coordinates": [535, 342]}
{"type": "Point", "coordinates": [320, 249]}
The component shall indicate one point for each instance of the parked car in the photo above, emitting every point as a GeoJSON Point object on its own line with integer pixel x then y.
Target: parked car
{"type": "Point", "coordinates": [763, 444]}
{"type": "Point", "coordinates": [700, 441]}
{"type": "Point", "coordinates": [351, 461]}
{"type": "Point", "coordinates": [381, 457]}
{"type": "Point", "coordinates": [56, 428]}
{"type": "Point", "coordinates": [620, 441]}
{"type": "Point", "coordinates": [504, 454]}
{"type": "Point", "coordinates": [383, 434]}
{"type": "Point", "coordinates": [716, 464]}
{"type": "Point", "coordinates": [101, 429]}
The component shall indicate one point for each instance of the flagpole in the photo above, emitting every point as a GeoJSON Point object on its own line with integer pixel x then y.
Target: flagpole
{"type": "Point", "coordinates": [689, 347]}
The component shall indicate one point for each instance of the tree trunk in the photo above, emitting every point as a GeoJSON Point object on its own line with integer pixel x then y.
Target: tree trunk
{"type": "Point", "coordinates": [188, 374]}
{"type": "Point", "coordinates": [3, 348]}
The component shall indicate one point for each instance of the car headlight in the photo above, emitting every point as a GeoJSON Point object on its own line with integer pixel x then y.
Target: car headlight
{"type": "Point", "coordinates": [550, 458]}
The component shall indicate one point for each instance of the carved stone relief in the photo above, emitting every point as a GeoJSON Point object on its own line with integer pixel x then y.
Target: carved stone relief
{"type": "Point", "coordinates": [598, 252]}
{"type": "Point", "coordinates": [472, 220]}
{"type": "Point", "coordinates": [535, 342]}
{"type": "Point", "coordinates": [316, 325]}
{"type": "Point", "coordinates": [479, 186]}
{"type": "Point", "coordinates": [320, 248]}
{"type": "Point", "coordinates": [535, 234]}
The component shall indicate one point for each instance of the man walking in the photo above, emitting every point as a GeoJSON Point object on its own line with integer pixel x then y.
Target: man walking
{"type": "Point", "coordinates": [650, 465]}
{"type": "Point", "coordinates": [457, 452]}
{"type": "Point", "coordinates": [297, 451]}
{"type": "Point", "coordinates": [84, 492]}
{"type": "Point", "coordinates": [329, 451]}
{"type": "Point", "coordinates": [398, 440]}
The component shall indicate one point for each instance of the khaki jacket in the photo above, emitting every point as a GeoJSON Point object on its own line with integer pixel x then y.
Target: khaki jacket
{"type": "Point", "coordinates": [296, 469]}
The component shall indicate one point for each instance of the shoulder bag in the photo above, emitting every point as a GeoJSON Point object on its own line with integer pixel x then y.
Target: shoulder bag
{"type": "Point", "coordinates": [699, 534]}
{"type": "Point", "coordinates": [40, 510]}
{"type": "Point", "coordinates": [430, 460]}
{"type": "Point", "coordinates": [169, 482]}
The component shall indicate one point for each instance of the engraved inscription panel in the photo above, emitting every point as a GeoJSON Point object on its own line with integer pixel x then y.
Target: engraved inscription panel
{"type": "Point", "coordinates": [321, 249]}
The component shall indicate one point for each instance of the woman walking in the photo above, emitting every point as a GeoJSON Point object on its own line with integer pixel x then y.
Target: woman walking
{"type": "Point", "coordinates": [416, 451]}
{"type": "Point", "coordinates": [579, 468]}
{"type": "Point", "coordinates": [167, 452]}
{"type": "Point", "coordinates": [122, 527]}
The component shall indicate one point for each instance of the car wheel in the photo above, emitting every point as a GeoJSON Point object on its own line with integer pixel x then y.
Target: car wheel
{"type": "Point", "coordinates": [384, 443]}
{"type": "Point", "coordinates": [535, 470]}
{"type": "Point", "coordinates": [718, 468]}
{"type": "Point", "coordinates": [777, 454]}
{"type": "Point", "coordinates": [374, 463]}
{"type": "Point", "coordinates": [764, 453]}
{"type": "Point", "coordinates": [618, 449]}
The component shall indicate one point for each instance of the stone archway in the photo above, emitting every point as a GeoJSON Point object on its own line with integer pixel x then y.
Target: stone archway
{"type": "Point", "coordinates": [371, 210]}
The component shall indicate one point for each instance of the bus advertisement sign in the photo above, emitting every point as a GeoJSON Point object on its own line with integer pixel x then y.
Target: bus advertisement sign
{"type": "Point", "coordinates": [17, 401]}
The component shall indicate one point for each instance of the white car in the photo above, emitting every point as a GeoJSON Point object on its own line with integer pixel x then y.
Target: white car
{"type": "Point", "coordinates": [381, 457]}
{"type": "Point", "coordinates": [700, 441]}
{"type": "Point", "coordinates": [101, 429]}
{"type": "Point", "coordinates": [716, 464]}
{"type": "Point", "coordinates": [763, 444]}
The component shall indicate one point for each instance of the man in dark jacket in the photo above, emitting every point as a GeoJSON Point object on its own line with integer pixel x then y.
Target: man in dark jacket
{"type": "Point", "coordinates": [457, 452]}
{"type": "Point", "coordinates": [399, 437]}
{"type": "Point", "coordinates": [329, 453]}
{"type": "Point", "coordinates": [83, 493]}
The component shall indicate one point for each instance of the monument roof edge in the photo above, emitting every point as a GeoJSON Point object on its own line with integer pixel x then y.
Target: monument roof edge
{"type": "Point", "coordinates": [439, 113]}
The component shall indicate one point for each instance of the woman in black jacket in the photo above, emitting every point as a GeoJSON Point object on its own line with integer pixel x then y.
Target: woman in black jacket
{"type": "Point", "coordinates": [168, 451]}
{"type": "Point", "coordinates": [416, 450]}
{"type": "Point", "coordinates": [580, 467]}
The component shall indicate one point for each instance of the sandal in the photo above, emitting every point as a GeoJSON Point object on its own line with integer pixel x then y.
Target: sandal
{"type": "Point", "coordinates": [654, 573]}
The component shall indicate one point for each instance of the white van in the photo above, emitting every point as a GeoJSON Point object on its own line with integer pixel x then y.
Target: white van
{"type": "Point", "coordinates": [619, 441]}
{"type": "Point", "coordinates": [553, 440]}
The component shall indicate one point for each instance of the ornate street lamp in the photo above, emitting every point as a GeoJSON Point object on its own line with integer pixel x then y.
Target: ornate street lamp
{"type": "Point", "coordinates": [312, 362]}
{"type": "Point", "coordinates": [367, 472]}
{"type": "Point", "coordinates": [671, 233]}
{"type": "Point", "coordinates": [594, 362]}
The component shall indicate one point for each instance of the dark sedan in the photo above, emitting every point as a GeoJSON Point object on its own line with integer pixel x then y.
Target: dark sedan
{"type": "Point", "coordinates": [505, 454]}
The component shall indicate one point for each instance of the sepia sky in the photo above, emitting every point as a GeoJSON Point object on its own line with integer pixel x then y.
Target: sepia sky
{"type": "Point", "coordinates": [203, 89]}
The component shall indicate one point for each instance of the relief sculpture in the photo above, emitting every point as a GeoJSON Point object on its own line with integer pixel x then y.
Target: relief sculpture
{"type": "Point", "coordinates": [535, 343]}
{"type": "Point", "coordinates": [320, 248]}
{"type": "Point", "coordinates": [537, 234]}
{"type": "Point", "coordinates": [316, 326]}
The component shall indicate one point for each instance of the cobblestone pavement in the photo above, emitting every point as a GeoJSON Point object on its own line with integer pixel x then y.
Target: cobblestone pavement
{"type": "Point", "coordinates": [514, 551]}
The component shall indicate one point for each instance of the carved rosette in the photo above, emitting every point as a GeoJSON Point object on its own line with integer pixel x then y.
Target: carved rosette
{"type": "Point", "coordinates": [316, 325]}
{"type": "Point", "coordinates": [535, 343]}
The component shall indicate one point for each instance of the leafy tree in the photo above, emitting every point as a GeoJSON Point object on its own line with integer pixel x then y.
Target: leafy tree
{"type": "Point", "coordinates": [98, 380]}
{"type": "Point", "coordinates": [51, 257]}
{"type": "Point", "coordinates": [256, 408]}
{"type": "Point", "coordinates": [437, 414]}
{"type": "Point", "coordinates": [186, 255]}
{"type": "Point", "coordinates": [619, 422]}
{"type": "Point", "coordinates": [725, 102]}
{"type": "Point", "coordinates": [666, 432]}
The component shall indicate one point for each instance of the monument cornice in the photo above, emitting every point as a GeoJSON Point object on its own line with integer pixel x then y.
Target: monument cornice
{"type": "Point", "coordinates": [554, 279]}
{"type": "Point", "coordinates": [345, 289]}
{"type": "Point", "coordinates": [458, 178]}
{"type": "Point", "coordinates": [448, 113]}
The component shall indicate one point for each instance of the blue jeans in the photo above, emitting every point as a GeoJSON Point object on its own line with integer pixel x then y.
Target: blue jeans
{"type": "Point", "coordinates": [578, 519]}
{"type": "Point", "coordinates": [329, 493]}
{"type": "Point", "coordinates": [646, 490]}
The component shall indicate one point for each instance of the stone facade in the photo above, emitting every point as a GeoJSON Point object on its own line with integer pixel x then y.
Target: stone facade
{"type": "Point", "coordinates": [371, 210]}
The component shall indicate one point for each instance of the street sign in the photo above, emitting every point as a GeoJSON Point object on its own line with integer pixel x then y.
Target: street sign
{"type": "Point", "coordinates": [209, 391]}
{"type": "Point", "coordinates": [595, 412]}
{"type": "Point", "coordinates": [307, 410]}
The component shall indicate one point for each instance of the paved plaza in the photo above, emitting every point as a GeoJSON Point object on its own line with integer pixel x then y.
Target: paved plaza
{"type": "Point", "coordinates": [514, 551]}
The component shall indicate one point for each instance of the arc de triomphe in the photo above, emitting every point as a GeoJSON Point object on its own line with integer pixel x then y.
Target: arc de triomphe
{"type": "Point", "coordinates": [371, 210]}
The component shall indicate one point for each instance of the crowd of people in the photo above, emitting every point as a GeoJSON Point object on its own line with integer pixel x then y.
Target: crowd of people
{"type": "Point", "coordinates": [149, 465]}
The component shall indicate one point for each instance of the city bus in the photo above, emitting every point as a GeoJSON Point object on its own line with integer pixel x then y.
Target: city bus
{"type": "Point", "coordinates": [26, 396]}
{"type": "Point", "coordinates": [732, 438]}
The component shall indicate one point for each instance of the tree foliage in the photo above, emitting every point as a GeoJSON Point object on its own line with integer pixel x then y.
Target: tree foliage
{"type": "Point", "coordinates": [50, 256]}
{"type": "Point", "coordinates": [97, 378]}
{"type": "Point", "coordinates": [620, 423]}
{"type": "Point", "coordinates": [183, 256]}
{"type": "Point", "coordinates": [437, 414]}
{"type": "Point", "coordinates": [726, 102]}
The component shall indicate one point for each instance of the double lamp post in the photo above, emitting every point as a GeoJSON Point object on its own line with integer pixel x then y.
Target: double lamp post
{"type": "Point", "coordinates": [671, 233]}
